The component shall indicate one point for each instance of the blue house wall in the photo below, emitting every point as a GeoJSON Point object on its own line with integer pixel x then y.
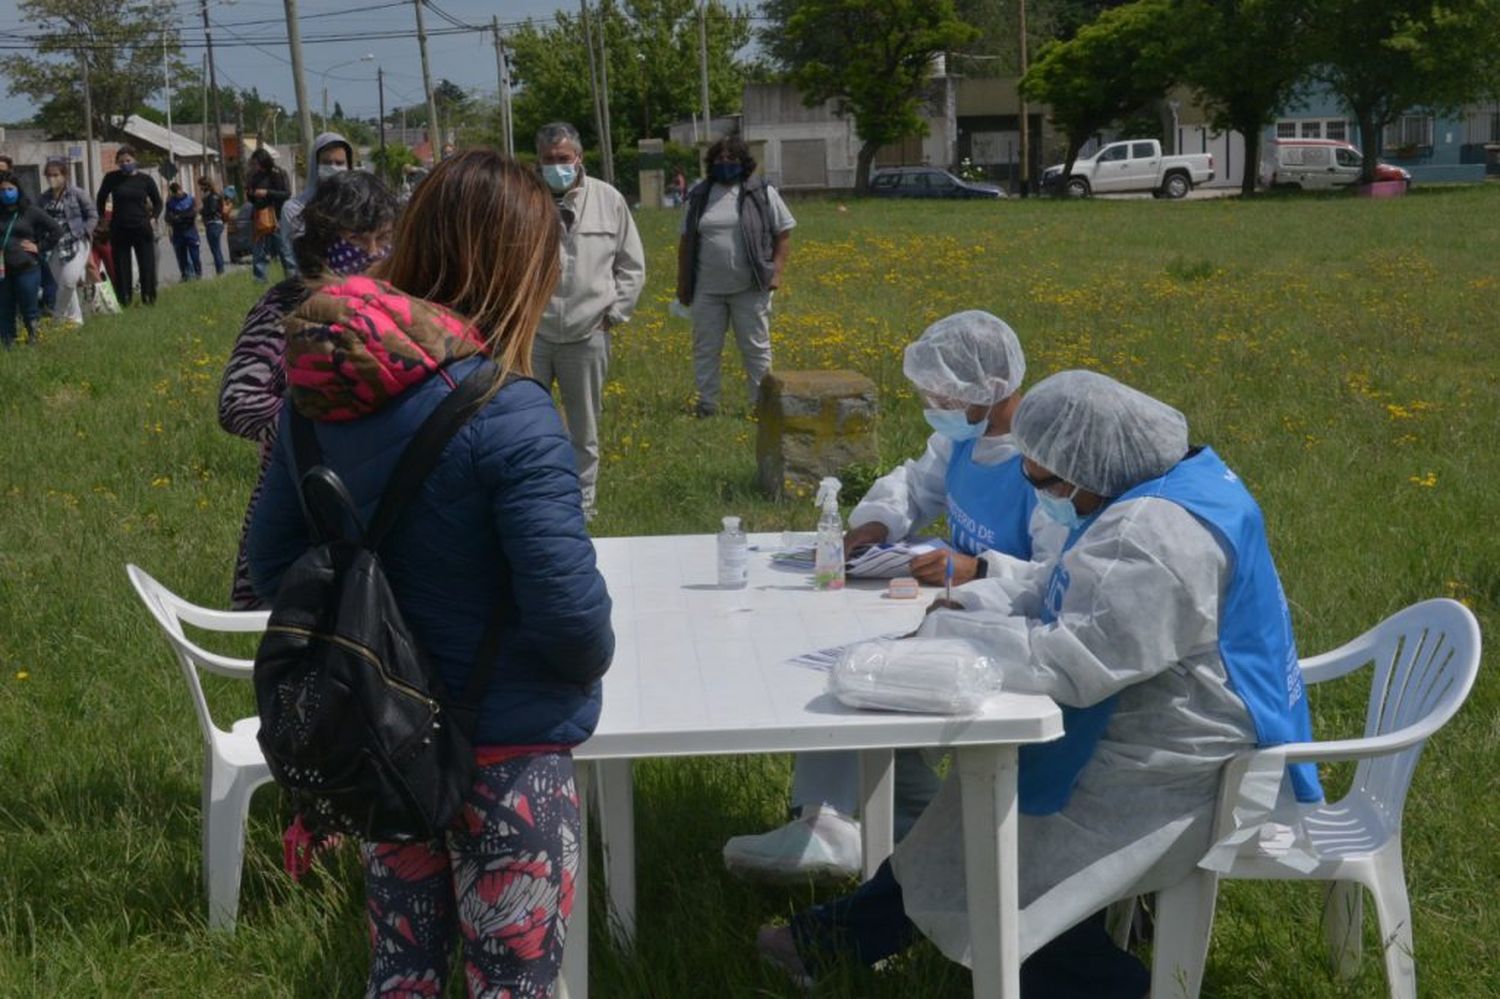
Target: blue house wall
{"type": "Point", "coordinates": [1443, 160]}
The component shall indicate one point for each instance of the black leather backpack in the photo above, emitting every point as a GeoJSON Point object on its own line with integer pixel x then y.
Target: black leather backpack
{"type": "Point", "coordinates": [355, 722]}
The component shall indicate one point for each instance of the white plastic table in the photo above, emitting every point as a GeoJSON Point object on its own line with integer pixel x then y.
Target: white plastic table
{"type": "Point", "coordinates": [700, 671]}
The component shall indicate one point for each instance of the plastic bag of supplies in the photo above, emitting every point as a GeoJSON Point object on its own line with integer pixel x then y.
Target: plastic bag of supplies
{"type": "Point", "coordinates": [946, 676]}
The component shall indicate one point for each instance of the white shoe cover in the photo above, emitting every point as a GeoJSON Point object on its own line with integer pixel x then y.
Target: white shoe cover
{"type": "Point", "coordinates": [824, 844]}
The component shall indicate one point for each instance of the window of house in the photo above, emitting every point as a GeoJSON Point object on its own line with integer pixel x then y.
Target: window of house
{"type": "Point", "coordinates": [1286, 130]}
{"type": "Point", "coordinates": [1335, 128]}
{"type": "Point", "coordinates": [1409, 130]}
{"type": "Point", "coordinates": [1312, 129]}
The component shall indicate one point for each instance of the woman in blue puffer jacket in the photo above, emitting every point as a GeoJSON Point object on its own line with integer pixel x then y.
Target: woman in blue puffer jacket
{"type": "Point", "coordinates": [497, 524]}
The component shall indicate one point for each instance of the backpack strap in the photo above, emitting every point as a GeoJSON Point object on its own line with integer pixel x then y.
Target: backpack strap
{"type": "Point", "coordinates": [425, 448]}
{"type": "Point", "coordinates": [417, 460]}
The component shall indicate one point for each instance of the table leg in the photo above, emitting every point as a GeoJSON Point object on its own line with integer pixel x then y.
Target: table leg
{"type": "Point", "coordinates": [573, 981]}
{"type": "Point", "coordinates": [877, 795]}
{"type": "Point", "coordinates": [616, 785]}
{"type": "Point", "coordinates": [988, 781]}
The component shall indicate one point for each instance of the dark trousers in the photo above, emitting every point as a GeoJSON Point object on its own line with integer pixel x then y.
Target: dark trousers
{"type": "Point", "coordinates": [214, 233]}
{"type": "Point", "coordinates": [18, 294]}
{"type": "Point", "coordinates": [871, 925]}
{"type": "Point", "coordinates": [141, 242]}
{"type": "Point", "coordinates": [189, 262]}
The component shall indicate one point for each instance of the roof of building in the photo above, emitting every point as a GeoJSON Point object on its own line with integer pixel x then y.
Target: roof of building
{"type": "Point", "coordinates": [157, 135]}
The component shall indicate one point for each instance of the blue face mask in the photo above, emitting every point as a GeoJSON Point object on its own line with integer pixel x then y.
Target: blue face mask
{"type": "Point", "coordinates": [954, 424]}
{"type": "Point", "coordinates": [10, 196]}
{"type": "Point", "coordinates": [127, 167]}
{"type": "Point", "coordinates": [559, 176]}
{"type": "Point", "coordinates": [1060, 508]}
{"type": "Point", "coordinates": [726, 173]}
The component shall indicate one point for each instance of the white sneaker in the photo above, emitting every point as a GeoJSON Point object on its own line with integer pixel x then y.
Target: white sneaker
{"type": "Point", "coordinates": [823, 844]}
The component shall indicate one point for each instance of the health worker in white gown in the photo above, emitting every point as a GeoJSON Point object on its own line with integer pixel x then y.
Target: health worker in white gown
{"type": "Point", "coordinates": [1163, 632]}
{"type": "Point", "coordinates": [967, 369]}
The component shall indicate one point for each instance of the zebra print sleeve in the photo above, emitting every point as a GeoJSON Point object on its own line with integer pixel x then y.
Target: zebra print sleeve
{"type": "Point", "coordinates": [255, 377]}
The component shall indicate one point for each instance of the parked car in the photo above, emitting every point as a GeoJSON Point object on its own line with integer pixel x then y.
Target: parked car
{"type": "Point", "coordinates": [1131, 165]}
{"type": "Point", "coordinates": [927, 182]}
{"type": "Point", "coordinates": [241, 235]}
{"type": "Point", "coordinates": [1319, 164]}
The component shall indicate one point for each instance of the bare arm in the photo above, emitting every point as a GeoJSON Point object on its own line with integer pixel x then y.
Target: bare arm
{"type": "Point", "coordinates": [779, 256]}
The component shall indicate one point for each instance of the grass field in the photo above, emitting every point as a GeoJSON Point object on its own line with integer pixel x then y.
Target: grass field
{"type": "Point", "coordinates": [1340, 354]}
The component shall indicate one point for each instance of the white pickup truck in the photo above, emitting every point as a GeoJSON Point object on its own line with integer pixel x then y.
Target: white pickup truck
{"type": "Point", "coordinates": [1132, 165]}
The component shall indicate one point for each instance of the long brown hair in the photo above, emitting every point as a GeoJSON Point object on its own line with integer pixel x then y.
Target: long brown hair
{"type": "Point", "coordinates": [480, 236]}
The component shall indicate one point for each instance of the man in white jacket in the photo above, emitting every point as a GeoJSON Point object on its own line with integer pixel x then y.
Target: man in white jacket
{"type": "Point", "coordinates": [1163, 632]}
{"type": "Point", "coordinates": [968, 369]}
{"type": "Point", "coordinates": [603, 272]}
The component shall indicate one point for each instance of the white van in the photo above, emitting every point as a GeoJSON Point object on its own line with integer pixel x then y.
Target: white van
{"type": "Point", "coordinates": [1318, 164]}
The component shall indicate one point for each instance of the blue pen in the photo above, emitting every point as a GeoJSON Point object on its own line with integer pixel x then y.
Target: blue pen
{"type": "Point", "coordinates": [948, 579]}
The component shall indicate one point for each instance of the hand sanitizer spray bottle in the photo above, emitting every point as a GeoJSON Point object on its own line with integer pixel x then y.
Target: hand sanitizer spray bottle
{"type": "Point", "coordinates": [734, 556]}
{"type": "Point", "coordinates": [828, 557]}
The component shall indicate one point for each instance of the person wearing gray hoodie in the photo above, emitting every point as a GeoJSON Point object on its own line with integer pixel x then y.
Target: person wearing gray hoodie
{"type": "Point", "coordinates": [332, 154]}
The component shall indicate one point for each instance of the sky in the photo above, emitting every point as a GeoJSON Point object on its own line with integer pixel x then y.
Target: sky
{"type": "Point", "coordinates": [466, 59]}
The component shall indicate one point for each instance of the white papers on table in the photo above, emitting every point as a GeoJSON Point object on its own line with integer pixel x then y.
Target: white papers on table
{"type": "Point", "coordinates": [884, 561]}
{"type": "Point", "coordinates": [890, 561]}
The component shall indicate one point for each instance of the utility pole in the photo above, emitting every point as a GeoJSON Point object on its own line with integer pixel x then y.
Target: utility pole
{"type": "Point", "coordinates": [239, 143]}
{"type": "Point", "coordinates": [507, 138]}
{"type": "Point", "coordinates": [609, 138]}
{"type": "Point", "coordinates": [90, 158]}
{"type": "Point", "coordinates": [703, 66]}
{"type": "Point", "coordinates": [380, 86]}
{"type": "Point", "coordinates": [204, 119]}
{"type": "Point", "coordinates": [588, 41]}
{"type": "Point", "coordinates": [213, 85]}
{"type": "Point", "coordinates": [1025, 114]}
{"type": "Point", "coordinates": [299, 83]}
{"type": "Point", "coordinates": [166, 82]}
{"type": "Point", "coordinates": [434, 137]}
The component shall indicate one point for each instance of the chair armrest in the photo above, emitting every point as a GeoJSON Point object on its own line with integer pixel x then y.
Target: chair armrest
{"type": "Point", "coordinates": [235, 669]}
{"type": "Point", "coordinates": [1339, 662]}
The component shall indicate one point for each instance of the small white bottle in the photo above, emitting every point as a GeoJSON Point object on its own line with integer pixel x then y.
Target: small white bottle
{"type": "Point", "coordinates": [734, 556]}
{"type": "Point", "coordinates": [828, 552]}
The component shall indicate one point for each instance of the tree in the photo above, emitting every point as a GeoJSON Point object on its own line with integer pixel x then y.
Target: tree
{"type": "Point", "coordinates": [1386, 57]}
{"type": "Point", "coordinates": [120, 39]}
{"type": "Point", "coordinates": [389, 166]}
{"type": "Point", "coordinates": [1245, 60]}
{"type": "Point", "coordinates": [1126, 58]}
{"type": "Point", "coordinates": [873, 57]}
{"type": "Point", "coordinates": [652, 52]}
{"type": "Point", "coordinates": [338, 111]}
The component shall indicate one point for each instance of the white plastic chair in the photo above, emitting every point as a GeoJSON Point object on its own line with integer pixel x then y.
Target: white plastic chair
{"type": "Point", "coordinates": [233, 766]}
{"type": "Point", "coordinates": [1425, 660]}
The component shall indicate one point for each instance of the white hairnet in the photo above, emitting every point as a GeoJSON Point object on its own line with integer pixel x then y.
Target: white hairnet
{"type": "Point", "coordinates": [972, 357]}
{"type": "Point", "coordinates": [1097, 433]}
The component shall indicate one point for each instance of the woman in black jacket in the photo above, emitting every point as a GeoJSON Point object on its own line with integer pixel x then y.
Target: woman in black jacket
{"type": "Point", "coordinates": [25, 234]}
{"type": "Point", "coordinates": [211, 209]}
{"type": "Point", "coordinates": [132, 226]}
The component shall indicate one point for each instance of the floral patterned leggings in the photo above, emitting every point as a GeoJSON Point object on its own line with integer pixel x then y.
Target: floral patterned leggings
{"type": "Point", "coordinates": [502, 878]}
